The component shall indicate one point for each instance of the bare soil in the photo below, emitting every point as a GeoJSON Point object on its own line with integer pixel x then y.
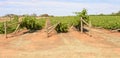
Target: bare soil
{"type": "Point", "coordinates": [102, 44]}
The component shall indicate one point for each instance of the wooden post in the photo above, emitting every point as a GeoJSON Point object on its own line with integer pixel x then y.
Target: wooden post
{"type": "Point", "coordinates": [81, 25]}
{"type": "Point", "coordinates": [46, 27]}
{"type": "Point", "coordinates": [90, 28]}
{"type": "Point", "coordinates": [17, 28]}
{"type": "Point", "coordinates": [47, 33]}
{"type": "Point", "coordinates": [5, 26]}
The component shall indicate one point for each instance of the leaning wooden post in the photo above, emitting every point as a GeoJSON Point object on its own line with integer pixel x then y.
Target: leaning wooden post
{"type": "Point", "coordinates": [81, 25]}
{"type": "Point", "coordinates": [17, 28]}
{"type": "Point", "coordinates": [5, 30]}
{"type": "Point", "coordinates": [19, 23]}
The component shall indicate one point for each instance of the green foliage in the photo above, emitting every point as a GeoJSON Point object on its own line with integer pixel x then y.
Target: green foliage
{"type": "Point", "coordinates": [11, 25]}
{"type": "Point", "coordinates": [1, 28]}
{"type": "Point", "coordinates": [77, 24]}
{"type": "Point", "coordinates": [107, 22]}
{"type": "Point", "coordinates": [10, 28]}
{"type": "Point", "coordinates": [16, 18]}
{"type": "Point", "coordinates": [83, 14]}
{"type": "Point", "coordinates": [66, 22]}
{"type": "Point", "coordinates": [62, 28]}
{"type": "Point", "coordinates": [30, 23]}
{"type": "Point", "coordinates": [41, 22]}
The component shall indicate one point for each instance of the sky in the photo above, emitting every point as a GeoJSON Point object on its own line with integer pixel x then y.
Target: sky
{"type": "Point", "coordinates": [58, 7]}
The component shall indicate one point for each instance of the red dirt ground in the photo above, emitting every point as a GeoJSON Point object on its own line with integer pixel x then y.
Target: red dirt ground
{"type": "Point", "coordinates": [102, 44]}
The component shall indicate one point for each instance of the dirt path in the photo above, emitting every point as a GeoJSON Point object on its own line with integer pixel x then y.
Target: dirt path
{"type": "Point", "coordinates": [66, 45]}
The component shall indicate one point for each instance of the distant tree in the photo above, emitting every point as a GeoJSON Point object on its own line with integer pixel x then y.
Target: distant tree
{"type": "Point", "coordinates": [10, 16]}
{"type": "Point", "coordinates": [113, 14]}
{"type": "Point", "coordinates": [25, 15]}
{"type": "Point", "coordinates": [44, 15]}
{"type": "Point", "coordinates": [34, 14]}
{"type": "Point", "coordinates": [118, 13]}
{"type": "Point", "coordinates": [101, 14]}
{"type": "Point", "coordinates": [51, 16]}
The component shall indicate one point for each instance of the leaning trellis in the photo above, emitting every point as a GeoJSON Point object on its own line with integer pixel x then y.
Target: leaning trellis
{"type": "Point", "coordinates": [88, 24]}
{"type": "Point", "coordinates": [6, 25]}
{"type": "Point", "coordinates": [49, 28]}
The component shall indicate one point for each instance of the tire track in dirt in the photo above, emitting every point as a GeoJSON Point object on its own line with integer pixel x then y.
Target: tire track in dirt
{"type": "Point", "coordinates": [77, 46]}
{"type": "Point", "coordinates": [80, 46]}
{"type": "Point", "coordinates": [108, 38]}
{"type": "Point", "coordinates": [115, 40]}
